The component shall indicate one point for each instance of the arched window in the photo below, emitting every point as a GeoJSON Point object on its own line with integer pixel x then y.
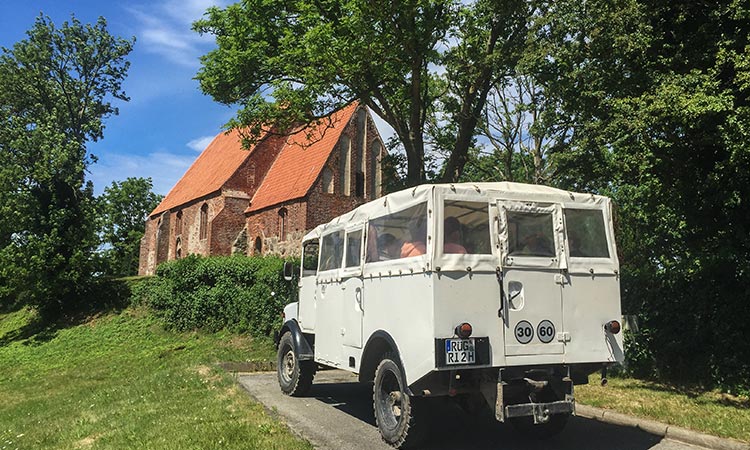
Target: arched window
{"type": "Point", "coordinates": [376, 167]}
{"type": "Point", "coordinates": [258, 247]}
{"type": "Point", "coordinates": [204, 222]}
{"type": "Point", "coordinates": [282, 224]}
{"type": "Point", "coordinates": [251, 175]}
{"type": "Point", "coordinates": [178, 223]}
{"type": "Point", "coordinates": [178, 249]}
{"type": "Point", "coordinates": [345, 166]}
{"type": "Point", "coordinates": [360, 163]}
{"type": "Point", "coordinates": [327, 181]}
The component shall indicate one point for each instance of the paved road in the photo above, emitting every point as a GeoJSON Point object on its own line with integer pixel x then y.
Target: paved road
{"type": "Point", "coordinates": [337, 414]}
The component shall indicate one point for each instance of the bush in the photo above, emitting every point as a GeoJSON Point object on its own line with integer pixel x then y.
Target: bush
{"type": "Point", "coordinates": [240, 294]}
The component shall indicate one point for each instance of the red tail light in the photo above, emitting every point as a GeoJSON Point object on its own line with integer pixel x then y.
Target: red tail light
{"type": "Point", "coordinates": [464, 330]}
{"type": "Point", "coordinates": [612, 326]}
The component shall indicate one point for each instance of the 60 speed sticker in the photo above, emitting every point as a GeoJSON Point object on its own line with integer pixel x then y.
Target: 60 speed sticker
{"type": "Point", "coordinates": [545, 331]}
{"type": "Point", "coordinates": [524, 331]}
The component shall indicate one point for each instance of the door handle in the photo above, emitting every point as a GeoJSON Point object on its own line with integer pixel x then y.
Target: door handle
{"type": "Point", "coordinates": [501, 310]}
{"type": "Point", "coordinates": [358, 298]}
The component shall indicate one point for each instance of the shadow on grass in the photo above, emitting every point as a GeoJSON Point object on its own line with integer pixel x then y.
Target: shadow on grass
{"type": "Point", "coordinates": [695, 392]}
{"type": "Point", "coordinates": [104, 296]}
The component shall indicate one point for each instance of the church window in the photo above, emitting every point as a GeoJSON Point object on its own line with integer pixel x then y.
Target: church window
{"type": "Point", "coordinates": [282, 224]}
{"type": "Point", "coordinates": [327, 181]}
{"type": "Point", "coordinates": [204, 222]}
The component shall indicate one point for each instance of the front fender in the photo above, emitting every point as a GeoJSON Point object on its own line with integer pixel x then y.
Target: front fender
{"type": "Point", "coordinates": [302, 347]}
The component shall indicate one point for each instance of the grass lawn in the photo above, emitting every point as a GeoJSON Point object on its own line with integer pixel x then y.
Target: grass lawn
{"type": "Point", "coordinates": [120, 381]}
{"type": "Point", "coordinates": [707, 412]}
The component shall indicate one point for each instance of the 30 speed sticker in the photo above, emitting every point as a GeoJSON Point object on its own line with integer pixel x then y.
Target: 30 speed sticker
{"type": "Point", "coordinates": [545, 331]}
{"type": "Point", "coordinates": [524, 332]}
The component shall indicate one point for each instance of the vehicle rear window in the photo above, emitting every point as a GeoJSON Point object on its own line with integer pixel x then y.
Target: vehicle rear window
{"type": "Point", "coordinates": [466, 228]}
{"type": "Point", "coordinates": [530, 234]}
{"type": "Point", "coordinates": [587, 237]}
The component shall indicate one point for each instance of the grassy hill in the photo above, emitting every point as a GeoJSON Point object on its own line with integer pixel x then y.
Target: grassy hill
{"type": "Point", "coordinates": [118, 380]}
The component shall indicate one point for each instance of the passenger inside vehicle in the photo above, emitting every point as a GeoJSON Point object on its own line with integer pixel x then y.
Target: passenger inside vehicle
{"type": "Point", "coordinates": [417, 245]}
{"type": "Point", "coordinates": [389, 247]}
{"type": "Point", "coordinates": [452, 230]}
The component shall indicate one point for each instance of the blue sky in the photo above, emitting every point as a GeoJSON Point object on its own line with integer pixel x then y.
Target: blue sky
{"type": "Point", "coordinates": [168, 121]}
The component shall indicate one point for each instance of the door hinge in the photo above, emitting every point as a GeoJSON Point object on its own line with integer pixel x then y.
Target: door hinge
{"type": "Point", "coordinates": [561, 279]}
{"type": "Point", "coordinates": [563, 336]}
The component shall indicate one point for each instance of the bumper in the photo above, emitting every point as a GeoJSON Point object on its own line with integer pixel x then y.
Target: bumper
{"type": "Point", "coordinates": [540, 411]}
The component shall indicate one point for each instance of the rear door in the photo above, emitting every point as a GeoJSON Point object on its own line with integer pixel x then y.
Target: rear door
{"type": "Point", "coordinates": [591, 288]}
{"type": "Point", "coordinates": [530, 237]}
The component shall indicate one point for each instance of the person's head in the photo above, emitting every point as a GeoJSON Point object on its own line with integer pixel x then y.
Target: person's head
{"type": "Point", "coordinates": [388, 244]}
{"type": "Point", "coordinates": [452, 229]}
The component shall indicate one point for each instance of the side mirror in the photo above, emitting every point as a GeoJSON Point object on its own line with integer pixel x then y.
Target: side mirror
{"type": "Point", "coordinates": [290, 269]}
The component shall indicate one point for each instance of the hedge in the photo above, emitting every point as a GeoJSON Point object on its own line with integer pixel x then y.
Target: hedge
{"type": "Point", "coordinates": [237, 293]}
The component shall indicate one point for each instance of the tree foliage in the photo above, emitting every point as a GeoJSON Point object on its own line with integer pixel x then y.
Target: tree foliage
{"type": "Point", "coordinates": [287, 62]}
{"type": "Point", "coordinates": [55, 92]}
{"type": "Point", "coordinates": [122, 210]}
{"type": "Point", "coordinates": [657, 97]}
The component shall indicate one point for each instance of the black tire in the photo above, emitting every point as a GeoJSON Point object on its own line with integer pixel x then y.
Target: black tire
{"type": "Point", "coordinates": [553, 427]}
{"type": "Point", "coordinates": [394, 408]}
{"type": "Point", "coordinates": [295, 376]}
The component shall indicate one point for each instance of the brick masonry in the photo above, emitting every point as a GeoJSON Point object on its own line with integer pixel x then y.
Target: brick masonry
{"type": "Point", "coordinates": [230, 230]}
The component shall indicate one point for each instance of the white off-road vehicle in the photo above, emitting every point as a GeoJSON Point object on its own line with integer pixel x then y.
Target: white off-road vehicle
{"type": "Point", "coordinates": [497, 294]}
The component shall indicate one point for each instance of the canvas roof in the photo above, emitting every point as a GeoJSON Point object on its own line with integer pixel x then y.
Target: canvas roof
{"type": "Point", "coordinates": [299, 163]}
{"type": "Point", "coordinates": [494, 190]}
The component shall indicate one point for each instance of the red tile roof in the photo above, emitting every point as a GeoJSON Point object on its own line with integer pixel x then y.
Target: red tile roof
{"type": "Point", "coordinates": [298, 165]}
{"type": "Point", "coordinates": [213, 168]}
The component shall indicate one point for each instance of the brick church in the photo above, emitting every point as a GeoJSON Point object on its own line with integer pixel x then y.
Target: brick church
{"type": "Point", "coordinates": [263, 200]}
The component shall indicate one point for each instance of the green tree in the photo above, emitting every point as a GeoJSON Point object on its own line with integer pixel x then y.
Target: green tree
{"type": "Point", "coordinates": [55, 92]}
{"type": "Point", "coordinates": [123, 209]}
{"type": "Point", "coordinates": [658, 97]}
{"type": "Point", "coordinates": [287, 62]}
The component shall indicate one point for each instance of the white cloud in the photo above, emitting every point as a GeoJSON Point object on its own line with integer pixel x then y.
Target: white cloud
{"type": "Point", "coordinates": [164, 29]}
{"type": "Point", "coordinates": [200, 144]}
{"type": "Point", "coordinates": [163, 167]}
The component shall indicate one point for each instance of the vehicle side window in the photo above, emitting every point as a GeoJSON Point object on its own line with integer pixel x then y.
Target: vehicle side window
{"type": "Point", "coordinates": [353, 248]}
{"type": "Point", "coordinates": [587, 237]}
{"type": "Point", "coordinates": [399, 235]}
{"type": "Point", "coordinates": [332, 251]}
{"type": "Point", "coordinates": [530, 234]}
{"type": "Point", "coordinates": [466, 228]}
{"type": "Point", "coordinates": [310, 258]}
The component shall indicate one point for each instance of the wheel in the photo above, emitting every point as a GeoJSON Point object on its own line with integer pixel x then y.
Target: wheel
{"type": "Point", "coordinates": [554, 426]}
{"type": "Point", "coordinates": [295, 376]}
{"type": "Point", "coordinates": [394, 408]}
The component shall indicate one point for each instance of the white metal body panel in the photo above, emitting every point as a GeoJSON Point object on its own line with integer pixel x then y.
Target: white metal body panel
{"type": "Point", "coordinates": [419, 299]}
{"type": "Point", "coordinates": [307, 307]}
{"type": "Point", "coordinates": [329, 323]}
{"type": "Point", "coordinates": [473, 298]}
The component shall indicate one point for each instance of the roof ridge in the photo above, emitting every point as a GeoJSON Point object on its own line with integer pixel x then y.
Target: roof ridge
{"type": "Point", "coordinates": [187, 189]}
{"type": "Point", "coordinates": [315, 168]}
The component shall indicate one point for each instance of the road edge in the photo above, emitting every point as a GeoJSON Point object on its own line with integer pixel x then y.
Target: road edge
{"type": "Point", "coordinates": [660, 429]}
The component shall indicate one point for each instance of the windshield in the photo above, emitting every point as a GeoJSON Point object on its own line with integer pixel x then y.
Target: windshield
{"type": "Point", "coordinates": [587, 237]}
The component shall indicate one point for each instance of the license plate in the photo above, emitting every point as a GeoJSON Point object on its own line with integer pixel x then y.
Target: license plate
{"type": "Point", "coordinates": [460, 351]}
